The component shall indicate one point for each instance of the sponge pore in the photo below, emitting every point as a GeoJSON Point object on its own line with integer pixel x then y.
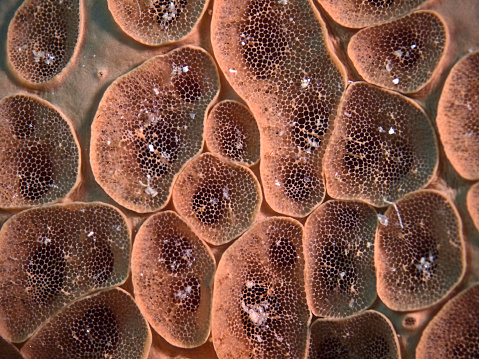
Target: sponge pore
{"type": "Point", "coordinates": [172, 271]}
{"type": "Point", "coordinates": [219, 200]}
{"type": "Point", "coordinates": [107, 324]}
{"type": "Point", "coordinates": [401, 55]}
{"type": "Point", "coordinates": [39, 152]}
{"type": "Point", "coordinates": [383, 147]}
{"type": "Point", "coordinates": [259, 303]}
{"type": "Point", "coordinates": [365, 335]}
{"type": "Point", "coordinates": [155, 22]}
{"type": "Point", "coordinates": [420, 252]}
{"type": "Point", "coordinates": [339, 254]}
{"type": "Point", "coordinates": [458, 117]}
{"type": "Point", "coordinates": [43, 39]}
{"type": "Point", "coordinates": [361, 13]}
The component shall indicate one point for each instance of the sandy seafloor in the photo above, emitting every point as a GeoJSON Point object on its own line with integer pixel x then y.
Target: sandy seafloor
{"type": "Point", "coordinates": [107, 50]}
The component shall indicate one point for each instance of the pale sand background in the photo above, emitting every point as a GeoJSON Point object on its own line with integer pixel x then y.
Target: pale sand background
{"type": "Point", "coordinates": [107, 50]}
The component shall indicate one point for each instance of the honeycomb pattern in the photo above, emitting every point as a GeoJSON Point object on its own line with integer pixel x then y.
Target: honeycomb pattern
{"type": "Point", "coordinates": [172, 271]}
{"type": "Point", "coordinates": [365, 335]}
{"type": "Point", "coordinates": [231, 132]}
{"type": "Point", "coordinates": [454, 332]}
{"type": "Point", "coordinates": [219, 200]}
{"type": "Point", "coordinates": [42, 39]}
{"type": "Point", "coordinates": [339, 254]}
{"type": "Point", "coordinates": [383, 147]}
{"type": "Point", "coordinates": [458, 117]}
{"type": "Point", "coordinates": [39, 152]}
{"type": "Point", "coordinates": [259, 304]}
{"type": "Point", "coordinates": [361, 13]}
{"type": "Point", "coordinates": [419, 251]}
{"type": "Point", "coordinates": [107, 324]}
{"type": "Point", "coordinates": [155, 22]}
{"type": "Point", "coordinates": [149, 123]}
{"type": "Point", "coordinates": [51, 256]}
{"type": "Point", "coordinates": [280, 64]}
{"type": "Point", "coordinates": [401, 55]}
{"type": "Point", "coordinates": [283, 62]}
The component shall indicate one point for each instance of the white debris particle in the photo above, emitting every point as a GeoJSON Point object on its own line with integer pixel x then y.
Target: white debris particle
{"type": "Point", "coordinates": [152, 149]}
{"type": "Point", "coordinates": [156, 91]}
{"type": "Point", "coordinates": [396, 81]}
{"type": "Point", "coordinates": [381, 129]}
{"type": "Point", "coordinates": [383, 220]}
{"type": "Point", "coordinates": [398, 53]}
{"type": "Point", "coordinates": [185, 68]}
{"type": "Point", "coordinates": [90, 234]}
{"type": "Point", "coordinates": [226, 194]}
{"type": "Point", "coordinates": [277, 182]}
{"type": "Point", "coordinates": [233, 71]}
{"type": "Point", "coordinates": [192, 115]}
{"type": "Point", "coordinates": [391, 131]}
{"type": "Point", "coordinates": [305, 82]}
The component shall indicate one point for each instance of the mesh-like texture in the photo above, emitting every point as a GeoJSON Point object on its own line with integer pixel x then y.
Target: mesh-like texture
{"type": "Point", "coordinates": [419, 251]}
{"type": "Point", "coordinates": [231, 132]}
{"type": "Point", "coordinates": [454, 332]}
{"type": "Point", "coordinates": [107, 324]}
{"type": "Point", "coordinates": [259, 303]}
{"type": "Point", "coordinates": [458, 117]}
{"type": "Point", "coordinates": [43, 37]}
{"type": "Point", "coordinates": [383, 147]}
{"type": "Point", "coordinates": [149, 124]}
{"type": "Point", "coordinates": [366, 335]}
{"type": "Point", "coordinates": [53, 255]}
{"type": "Point", "coordinates": [172, 271]}
{"type": "Point", "coordinates": [8, 351]}
{"type": "Point", "coordinates": [155, 22]}
{"type": "Point", "coordinates": [39, 152]}
{"type": "Point", "coordinates": [218, 199]}
{"type": "Point", "coordinates": [361, 13]}
{"type": "Point", "coordinates": [339, 256]}
{"type": "Point", "coordinates": [277, 59]}
{"type": "Point", "coordinates": [473, 204]}
{"type": "Point", "coordinates": [400, 55]}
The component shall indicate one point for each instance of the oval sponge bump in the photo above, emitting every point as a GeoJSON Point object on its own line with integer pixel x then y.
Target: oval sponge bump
{"type": "Point", "coordinates": [401, 55]}
{"type": "Point", "coordinates": [383, 147]}
{"type": "Point", "coordinates": [107, 324]}
{"type": "Point", "coordinates": [39, 152]}
{"type": "Point", "coordinates": [172, 271]}
{"type": "Point", "coordinates": [366, 335]}
{"type": "Point", "coordinates": [155, 22]}
{"type": "Point", "coordinates": [454, 332]}
{"type": "Point", "coordinates": [420, 253]}
{"type": "Point", "coordinates": [279, 62]}
{"type": "Point", "coordinates": [458, 116]}
{"type": "Point", "coordinates": [218, 199]}
{"type": "Point", "coordinates": [339, 255]}
{"type": "Point", "coordinates": [259, 302]}
{"type": "Point", "coordinates": [232, 133]}
{"type": "Point", "coordinates": [149, 123]}
{"type": "Point", "coordinates": [43, 39]}
{"type": "Point", "coordinates": [53, 255]}
{"type": "Point", "coordinates": [361, 13]}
